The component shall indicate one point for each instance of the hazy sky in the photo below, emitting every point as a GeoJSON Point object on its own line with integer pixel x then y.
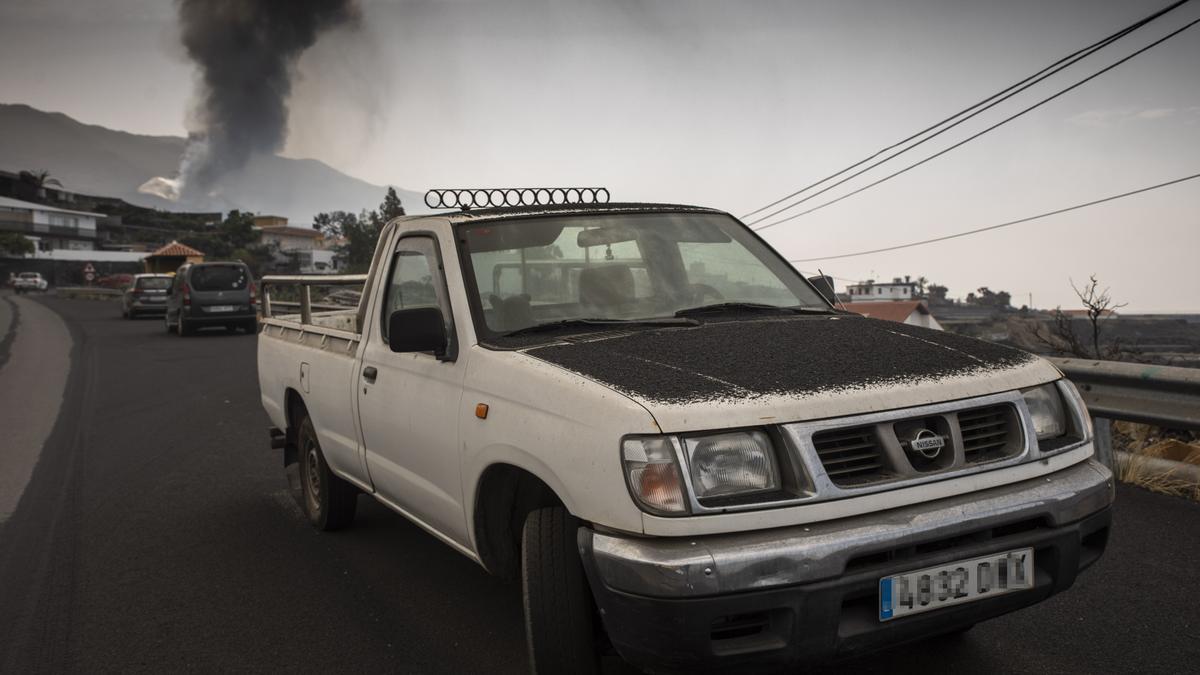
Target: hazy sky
{"type": "Point", "coordinates": [726, 104]}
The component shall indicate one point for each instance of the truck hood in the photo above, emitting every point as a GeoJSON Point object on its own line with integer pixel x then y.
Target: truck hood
{"type": "Point", "coordinates": [749, 372]}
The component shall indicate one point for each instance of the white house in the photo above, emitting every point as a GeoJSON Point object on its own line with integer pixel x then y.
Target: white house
{"type": "Point", "coordinates": [50, 227]}
{"type": "Point", "coordinates": [870, 291]}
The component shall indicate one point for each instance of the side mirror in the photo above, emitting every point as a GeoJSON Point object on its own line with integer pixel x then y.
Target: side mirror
{"type": "Point", "coordinates": [420, 329]}
{"type": "Point", "coordinates": [824, 285]}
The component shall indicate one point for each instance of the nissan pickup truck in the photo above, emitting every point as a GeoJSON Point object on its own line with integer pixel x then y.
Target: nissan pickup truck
{"type": "Point", "coordinates": [675, 443]}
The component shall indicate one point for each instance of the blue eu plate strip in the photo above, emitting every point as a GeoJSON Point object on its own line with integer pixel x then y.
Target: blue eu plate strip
{"type": "Point", "coordinates": [885, 598]}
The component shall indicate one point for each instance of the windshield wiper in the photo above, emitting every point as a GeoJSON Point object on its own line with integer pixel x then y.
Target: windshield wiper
{"type": "Point", "coordinates": [570, 323]}
{"type": "Point", "coordinates": [722, 307]}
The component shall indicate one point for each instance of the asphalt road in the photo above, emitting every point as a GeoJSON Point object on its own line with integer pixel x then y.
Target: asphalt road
{"type": "Point", "coordinates": [155, 534]}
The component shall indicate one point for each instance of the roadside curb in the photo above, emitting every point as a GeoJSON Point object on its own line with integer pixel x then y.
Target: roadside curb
{"type": "Point", "coordinates": [6, 340]}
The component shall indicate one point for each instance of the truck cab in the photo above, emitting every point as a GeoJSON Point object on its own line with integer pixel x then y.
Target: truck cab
{"type": "Point", "coordinates": [675, 443]}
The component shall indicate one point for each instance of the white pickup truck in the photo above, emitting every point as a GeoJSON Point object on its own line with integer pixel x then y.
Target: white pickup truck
{"type": "Point", "coordinates": [675, 443]}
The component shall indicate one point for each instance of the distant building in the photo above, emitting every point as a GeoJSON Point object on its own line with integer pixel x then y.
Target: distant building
{"type": "Point", "coordinates": [899, 290]}
{"type": "Point", "coordinates": [274, 231]}
{"type": "Point", "coordinates": [170, 257]}
{"type": "Point", "coordinates": [317, 261]}
{"type": "Point", "coordinates": [913, 312]}
{"type": "Point", "coordinates": [270, 221]}
{"type": "Point", "coordinates": [297, 249]}
{"type": "Point", "coordinates": [16, 186]}
{"type": "Point", "coordinates": [49, 227]}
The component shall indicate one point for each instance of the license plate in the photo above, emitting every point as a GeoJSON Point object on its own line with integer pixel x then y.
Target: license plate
{"type": "Point", "coordinates": [154, 298]}
{"type": "Point", "coordinates": [955, 583]}
{"type": "Point", "coordinates": [221, 308]}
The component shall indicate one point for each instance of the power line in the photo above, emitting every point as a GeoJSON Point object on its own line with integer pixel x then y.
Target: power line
{"type": "Point", "coordinates": [981, 133]}
{"type": "Point", "coordinates": [1007, 224]}
{"type": "Point", "coordinates": [999, 97]}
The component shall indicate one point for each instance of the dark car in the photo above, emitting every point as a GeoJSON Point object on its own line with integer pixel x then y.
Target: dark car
{"type": "Point", "coordinates": [212, 294]}
{"type": "Point", "coordinates": [147, 294]}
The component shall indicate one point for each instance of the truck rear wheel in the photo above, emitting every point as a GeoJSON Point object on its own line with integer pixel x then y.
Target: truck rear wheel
{"type": "Point", "coordinates": [329, 502]}
{"type": "Point", "coordinates": [559, 613]}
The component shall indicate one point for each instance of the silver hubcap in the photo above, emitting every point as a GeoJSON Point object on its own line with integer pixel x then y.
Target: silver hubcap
{"type": "Point", "coordinates": [312, 464]}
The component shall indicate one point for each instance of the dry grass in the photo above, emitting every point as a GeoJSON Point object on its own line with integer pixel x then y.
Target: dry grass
{"type": "Point", "coordinates": [1143, 442]}
{"type": "Point", "coordinates": [1135, 472]}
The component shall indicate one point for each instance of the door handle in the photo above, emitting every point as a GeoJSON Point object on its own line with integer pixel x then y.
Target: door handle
{"type": "Point", "coordinates": [369, 374]}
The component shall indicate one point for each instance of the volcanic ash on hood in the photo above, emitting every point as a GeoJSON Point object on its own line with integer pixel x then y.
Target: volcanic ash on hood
{"type": "Point", "coordinates": [246, 53]}
{"type": "Point", "coordinates": [803, 356]}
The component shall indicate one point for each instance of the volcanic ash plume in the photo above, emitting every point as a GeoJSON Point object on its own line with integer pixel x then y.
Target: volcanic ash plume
{"type": "Point", "coordinates": [246, 52]}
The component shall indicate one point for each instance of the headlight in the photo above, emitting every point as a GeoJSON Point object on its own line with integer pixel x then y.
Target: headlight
{"type": "Point", "coordinates": [653, 474]}
{"type": "Point", "coordinates": [736, 463]}
{"type": "Point", "coordinates": [1046, 410]}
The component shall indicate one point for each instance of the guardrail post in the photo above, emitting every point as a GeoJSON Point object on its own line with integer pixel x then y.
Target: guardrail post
{"type": "Point", "coordinates": [1103, 441]}
{"type": "Point", "coordinates": [305, 305]}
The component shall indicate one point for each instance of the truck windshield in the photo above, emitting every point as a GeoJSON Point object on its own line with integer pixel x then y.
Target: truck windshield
{"type": "Point", "coordinates": [623, 267]}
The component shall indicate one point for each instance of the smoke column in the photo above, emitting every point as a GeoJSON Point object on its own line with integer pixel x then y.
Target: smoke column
{"type": "Point", "coordinates": [246, 52]}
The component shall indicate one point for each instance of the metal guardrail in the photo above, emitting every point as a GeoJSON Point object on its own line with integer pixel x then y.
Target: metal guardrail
{"type": "Point", "coordinates": [1166, 396]}
{"type": "Point", "coordinates": [306, 282]}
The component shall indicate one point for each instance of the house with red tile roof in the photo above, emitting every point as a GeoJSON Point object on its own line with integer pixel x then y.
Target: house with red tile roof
{"type": "Point", "coordinates": [913, 312]}
{"type": "Point", "coordinates": [170, 257]}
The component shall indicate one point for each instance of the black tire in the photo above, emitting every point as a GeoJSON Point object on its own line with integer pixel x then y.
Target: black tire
{"type": "Point", "coordinates": [328, 501]}
{"type": "Point", "coordinates": [559, 612]}
{"type": "Point", "coordinates": [250, 326]}
{"type": "Point", "coordinates": [183, 328]}
{"type": "Point", "coordinates": [167, 323]}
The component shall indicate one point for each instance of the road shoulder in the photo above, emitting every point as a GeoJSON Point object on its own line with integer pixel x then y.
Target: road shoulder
{"type": "Point", "coordinates": [33, 380]}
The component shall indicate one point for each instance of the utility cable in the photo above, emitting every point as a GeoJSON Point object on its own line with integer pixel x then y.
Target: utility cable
{"type": "Point", "coordinates": [1007, 224]}
{"type": "Point", "coordinates": [1081, 53]}
{"type": "Point", "coordinates": [976, 135]}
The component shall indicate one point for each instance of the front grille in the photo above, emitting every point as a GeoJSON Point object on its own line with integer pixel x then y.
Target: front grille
{"type": "Point", "coordinates": [850, 456]}
{"type": "Point", "coordinates": [988, 433]}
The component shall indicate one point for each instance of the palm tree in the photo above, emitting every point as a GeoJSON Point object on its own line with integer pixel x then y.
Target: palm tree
{"type": "Point", "coordinates": [921, 281]}
{"type": "Point", "coordinates": [38, 180]}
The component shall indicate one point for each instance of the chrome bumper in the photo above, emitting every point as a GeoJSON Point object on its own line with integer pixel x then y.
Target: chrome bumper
{"type": "Point", "coordinates": [714, 565]}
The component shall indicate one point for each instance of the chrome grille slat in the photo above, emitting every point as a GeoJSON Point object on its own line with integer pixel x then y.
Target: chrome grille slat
{"type": "Point", "coordinates": [987, 425]}
{"type": "Point", "coordinates": [990, 434]}
{"type": "Point", "coordinates": [826, 460]}
{"type": "Point", "coordinates": [846, 472]}
{"type": "Point", "coordinates": [847, 448]}
{"type": "Point", "coordinates": [987, 433]}
{"type": "Point", "coordinates": [850, 456]}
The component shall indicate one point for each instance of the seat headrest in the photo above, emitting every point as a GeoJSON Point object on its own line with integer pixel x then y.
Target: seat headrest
{"type": "Point", "coordinates": [606, 286]}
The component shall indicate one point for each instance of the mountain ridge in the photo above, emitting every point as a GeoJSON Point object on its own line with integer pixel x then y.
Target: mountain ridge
{"type": "Point", "coordinates": [97, 160]}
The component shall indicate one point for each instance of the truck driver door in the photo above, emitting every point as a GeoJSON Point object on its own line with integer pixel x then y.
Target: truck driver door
{"type": "Point", "coordinates": [408, 402]}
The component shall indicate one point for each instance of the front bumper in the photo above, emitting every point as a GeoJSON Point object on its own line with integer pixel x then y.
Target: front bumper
{"type": "Point", "coordinates": [809, 594]}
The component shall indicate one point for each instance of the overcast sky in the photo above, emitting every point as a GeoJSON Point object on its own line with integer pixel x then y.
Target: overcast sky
{"type": "Point", "coordinates": [725, 104]}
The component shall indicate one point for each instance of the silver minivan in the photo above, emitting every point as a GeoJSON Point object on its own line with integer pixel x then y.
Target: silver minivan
{"type": "Point", "coordinates": [146, 295]}
{"type": "Point", "coordinates": [212, 294]}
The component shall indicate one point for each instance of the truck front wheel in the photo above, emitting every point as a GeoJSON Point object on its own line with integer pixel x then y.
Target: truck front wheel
{"type": "Point", "coordinates": [329, 501]}
{"type": "Point", "coordinates": [559, 621]}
